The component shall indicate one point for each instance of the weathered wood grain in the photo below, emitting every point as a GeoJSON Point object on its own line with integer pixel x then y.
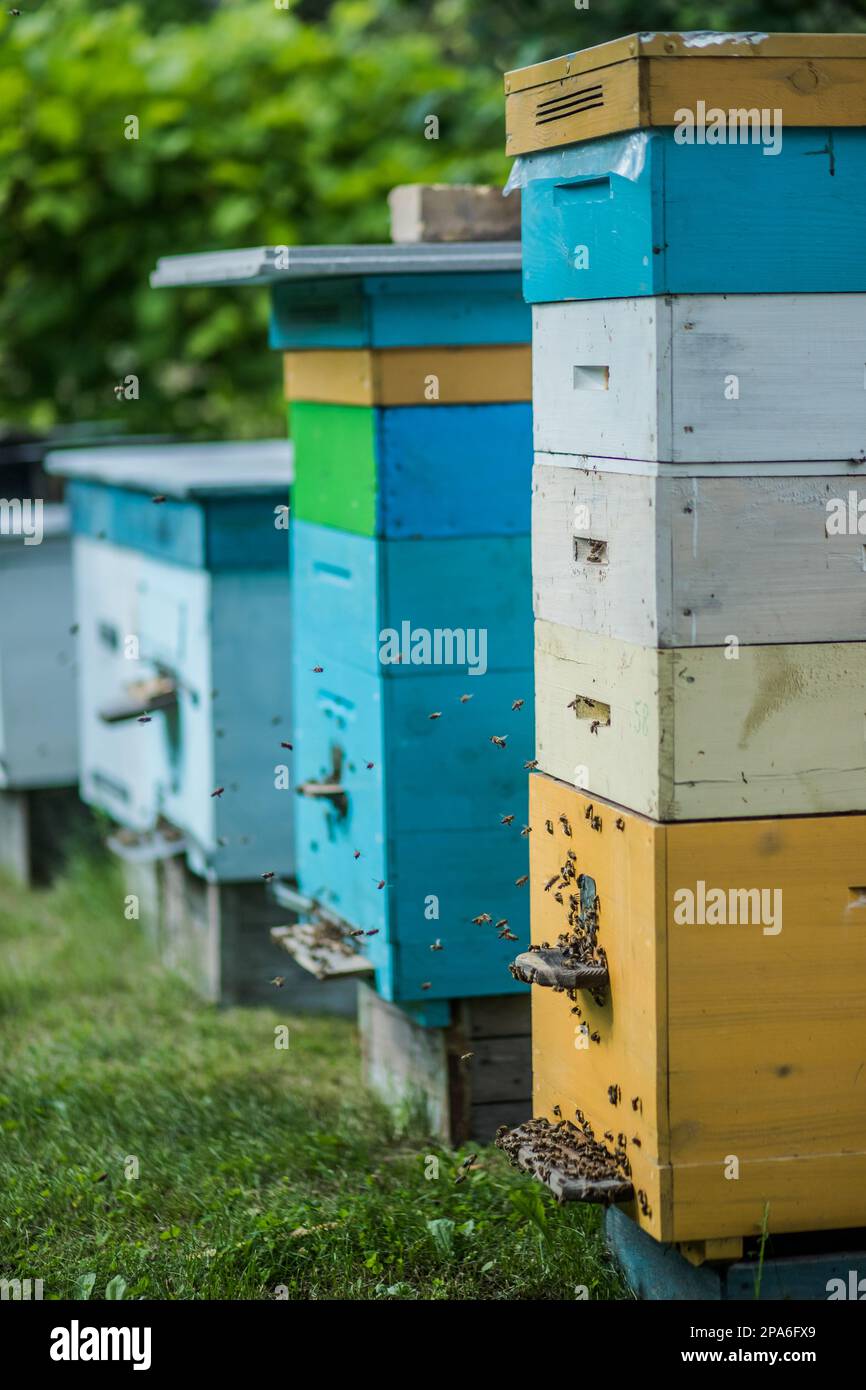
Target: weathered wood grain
{"type": "Point", "coordinates": [697, 378]}
{"type": "Point", "coordinates": [695, 734]}
{"type": "Point", "coordinates": [690, 561]}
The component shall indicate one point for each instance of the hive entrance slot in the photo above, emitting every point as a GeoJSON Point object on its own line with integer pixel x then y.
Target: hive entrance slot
{"type": "Point", "coordinates": [588, 551]}
{"type": "Point", "coordinates": [586, 708]}
{"type": "Point", "coordinates": [590, 378]}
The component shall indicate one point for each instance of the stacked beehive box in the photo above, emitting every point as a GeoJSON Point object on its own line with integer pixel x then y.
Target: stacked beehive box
{"type": "Point", "coordinates": [181, 592]}
{"type": "Point", "coordinates": [410, 417]}
{"type": "Point", "coordinates": [698, 899]}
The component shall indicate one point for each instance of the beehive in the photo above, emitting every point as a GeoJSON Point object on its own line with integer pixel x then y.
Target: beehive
{"type": "Point", "coordinates": [714, 1041]}
{"type": "Point", "coordinates": [183, 616]}
{"type": "Point", "coordinates": [697, 567]}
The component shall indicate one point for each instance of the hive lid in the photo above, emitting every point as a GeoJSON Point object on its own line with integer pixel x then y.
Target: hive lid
{"type": "Point", "coordinates": [697, 43]}
{"type": "Point", "coordinates": [265, 265]}
{"type": "Point", "coordinates": [182, 470]}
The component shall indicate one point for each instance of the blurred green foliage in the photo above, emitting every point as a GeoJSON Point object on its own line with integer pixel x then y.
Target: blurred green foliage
{"type": "Point", "coordinates": [257, 124]}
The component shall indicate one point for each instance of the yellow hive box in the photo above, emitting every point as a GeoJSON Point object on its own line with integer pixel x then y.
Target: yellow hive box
{"type": "Point", "coordinates": [735, 1054]}
{"type": "Point", "coordinates": [645, 79]}
{"type": "Point", "coordinates": [410, 376]}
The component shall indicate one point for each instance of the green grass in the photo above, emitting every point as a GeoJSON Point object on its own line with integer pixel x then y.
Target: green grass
{"type": "Point", "coordinates": [261, 1172]}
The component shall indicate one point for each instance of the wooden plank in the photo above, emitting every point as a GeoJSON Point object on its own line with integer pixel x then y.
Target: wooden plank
{"type": "Point", "coordinates": [410, 376]}
{"type": "Point", "coordinates": [324, 953]}
{"type": "Point", "coordinates": [688, 561]}
{"type": "Point", "coordinates": [804, 1192]}
{"type": "Point", "coordinates": [581, 106]}
{"type": "Point", "coordinates": [432, 212]}
{"type": "Point", "coordinates": [808, 91]}
{"type": "Point", "coordinates": [501, 1069]}
{"type": "Point", "coordinates": [503, 1016]}
{"type": "Point", "coordinates": [691, 734]}
{"type": "Point", "coordinates": [694, 378]}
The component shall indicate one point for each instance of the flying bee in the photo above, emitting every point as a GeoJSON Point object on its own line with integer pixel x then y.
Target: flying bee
{"type": "Point", "coordinates": [290, 746]}
{"type": "Point", "coordinates": [428, 984]}
{"type": "Point", "coordinates": [279, 981]}
{"type": "Point", "coordinates": [268, 875]}
{"type": "Point", "coordinates": [380, 883]}
{"type": "Point", "coordinates": [144, 719]}
{"type": "Point", "coordinates": [436, 945]}
{"type": "Point", "coordinates": [467, 1056]}
{"type": "Point", "coordinates": [356, 854]}
{"type": "Point", "coordinates": [159, 498]}
{"type": "Point", "coordinates": [218, 792]}
{"type": "Point", "coordinates": [527, 830]}
{"type": "Point", "coordinates": [356, 931]}
{"type": "Point", "coordinates": [370, 765]}
{"type": "Point", "coordinates": [437, 714]}
{"type": "Point", "coordinates": [461, 1177]}
{"type": "Point", "coordinates": [635, 1141]}
{"type": "Point", "coordinates": [374, 931]}
{"type": "Point", "coordinates": [507, 935]}
{"type": "Point", "coordinates": [499, 740]}
{"type": "Point", "coordinates": [531, 765]}
{"type": "Point", "coordinates": [519, 882]}
{"type": "Point", "coordinates": [503, 922]}
{"type": "Point", "coordinates": [318, 670]}
{"type": "Point", "coordinates": [464, 699]}
{"type": "Point", "coordinates": [506, 820]}
{"type": "Point", "coordinates": [481, 918]}
{"type": "Point", "coordinates": [517, 704]}
{"type": "Point", "coordinates": [468, 1162]}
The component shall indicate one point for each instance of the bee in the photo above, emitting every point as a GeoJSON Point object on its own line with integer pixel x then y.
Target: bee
{"type": "Point", "coordinates": [517, 704]}
{"type": "Point", "coordinates": [531, 765]}
{"type": "Point", "coordinates": [527, 830]}
{"type": "Point", "coordinates": [159, 498]}
{"type": "Point", "coordinates": [369, 766]}
{"type": "Point", "coordinates": [557, 1112]}
{"type": "Point", "coordinates": [550, 882]}
{"type": "Point", "coordinates": [268, 875]}
{"type": "Point", "coordinates": [506, 820]}
{"type": "Point", "coordinates": [467, 1056]}
{"type": "Point", "coordinates": [558, 897]}
{"type": "Point", "coordinates": [356, 854]}
{"type": "Point", "coordinates": [464, 699]}
{"type": "Point", "coordinates": [563, 820]}
{"type": "Point", "coordinates": [279, 981]}
{"type": "Point", "coordinates": [635, 1141]}
{"type": "Point", "coordinates": [436, 945]}
{"type": "Point", "coordinates": [461, 1177]}
{"type": "Point", "coordinates": [318, 670]}
{"type": "Point", "coordinates": [595, 726]}
{"type": "Point", "coordinates": [356, 931]}
{"type": "Point", "coordinates": [577, 1011]}
{"type": "Point", "coordinates": [499, 740]}
{"type": "Point", "coordinates": [437, 714]}
{"type": "Point", "coordinates": [218, 792]}
{"type": "Point", "coordinates": [637, 1103]}
{"type": "Point", "coordinates": [596, 822]}
{"type": "Point", "coordinates": [15, 14]}
{"type": "Point", "coordinates": [101, 1177]}
{"type": "Point", "coordinates": [428, 984]}
{"type": "Point", "coordinates": [507, 935]}
{"type": "Point", "coordinates": [290, 746]}
{"type": "Point", "coordinates": [595, 1037]}
{"type": "Point", "coordinates": [380, 883]}
{"type": "Point", "coordinates": [619, 823]}
{"type": "Point", "coordinates": [374, 931]}
{"type": "Point", "coordinates": [614, 1094]}
{"type": "Point", "coordinates": [468, 1162]}
{"type": "Point", "coordinates": [608, 1136]}
{"type": "Point", "coordinates": [481, 918]}
{"type": "Point", "coordinates": [144, 719]}
{"type": "Point", "coordinates": [503, 922]}
{"type": "Point", "coordinates": [548, 825]}
{"type": "Point", "coordinates": [519, 882]}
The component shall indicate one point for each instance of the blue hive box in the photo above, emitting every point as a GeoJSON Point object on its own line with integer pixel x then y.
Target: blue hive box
{"type": "Point", "coordinates": [183, 613]}
{"type": "Point", "coordinates": [640, 214]}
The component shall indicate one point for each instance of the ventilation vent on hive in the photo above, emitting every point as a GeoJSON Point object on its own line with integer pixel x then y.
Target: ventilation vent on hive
{"type": "Point", "coordinates": [573, 104]}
